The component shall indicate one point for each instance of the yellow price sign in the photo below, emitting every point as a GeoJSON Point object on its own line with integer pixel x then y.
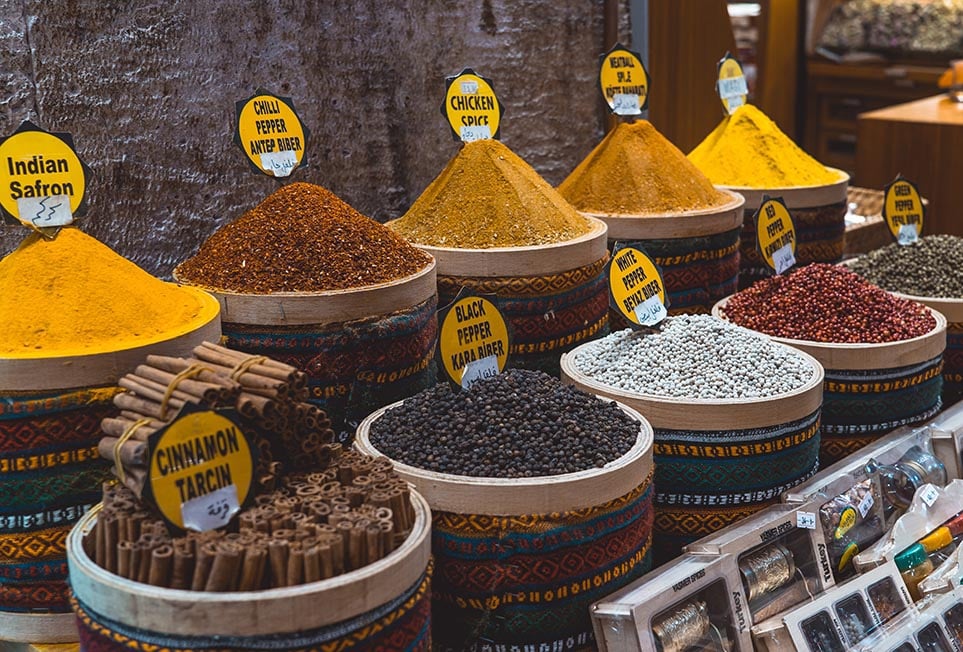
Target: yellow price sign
{"type": "Point", "coordinates": [775, 234]}
{"type": "Point", "coordinates": [472, 340]}
{"type": "Point", "coordinates": [624, 81]}
{"type": "Point", "coordinates": [903, 210]}
{"type": "Point", "coordinates": [731, 84]}
{"type": "Point", "coordinates": [636, 288]}
{"type": "Point", "coordinates": [270, 133]}
{"type": "Point", "coordinates": [471, 107]}
{"type": "Point", "coordinates": [42, 180]}
{"type": "Point", "coordinates": [200, 469]}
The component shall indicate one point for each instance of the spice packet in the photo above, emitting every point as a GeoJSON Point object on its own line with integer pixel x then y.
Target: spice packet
{"type": "Point", "coordinates": [693, 602]}
{"type": "Point", "coordinates": [778, 554]}
{"type": "Point", "coordinates": [931, 507]}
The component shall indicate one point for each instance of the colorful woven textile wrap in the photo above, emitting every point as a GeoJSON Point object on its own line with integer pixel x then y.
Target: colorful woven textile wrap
{"type": "Point", "coordinates": [953, 364]}
{"type": "Point", "coordinates": [547, 315]}
{"type": "Point", "coordinates": [706, 480]}
{"type": "Point", "coordinates": [353, 367]}
{"type": "Point", "coordinates": [526, 582]}
{"type": "Point", "coordinates": [697, 272]}
{"type": "Point", "coordinates": [50, 474]}
{"type": "Point", "coordinates": [860, 406]}
{"type": "Point", "coordinates": [819, 239]}
{"type": "Point", "coordinates": [402, 625]}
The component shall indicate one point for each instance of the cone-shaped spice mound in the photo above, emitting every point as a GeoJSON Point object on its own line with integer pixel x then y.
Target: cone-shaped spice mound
{"type": "Point", "coordinates": [489, 197]}
{"type": "Point", "coordinates": [302, 238]}
{"type": "Point", "coordinates": [74, 295]}
{"type": "Point", "coordinates": [635, 170]}
{"type": "Point", "coordinates": [748, 150]}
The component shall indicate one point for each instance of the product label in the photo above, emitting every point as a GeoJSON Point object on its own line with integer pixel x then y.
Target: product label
{"type": "Point", "coordinates": [201, 468]}
{"type": "Point", "coordinates": [624, 81]}
{"type": "Point", "coordinates": [473, 340]}
{"type": "Point", "coordinates": [636, 288]}
{"type": "Point", "coordinates": [903, 211]}
{"type": "Point", "coordinates": [775, 234]}
{"type": "Point", "coordinates": [731, 84]}
{"type": "Point", "coordinates": [270, 133]}
{"type": "Point", "coordinates": [866, 504]}
{"type": "Point", "coordinates": [847, 519]}
{"type": "Point", "coordinates": [471, 107]}
{"type": "Point", "coordinates": [42, 180]}
{"type": "Point", "coordinates": [929, 494]}
{"type": "Point", "coordinates": [806, 520]}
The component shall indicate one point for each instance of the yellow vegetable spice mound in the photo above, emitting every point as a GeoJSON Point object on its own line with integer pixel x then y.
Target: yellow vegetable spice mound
{"type": "Point", "coordinates": [635, 170]}
{"type": "Point", "coordinates": [489, 197]}
{"type": "Point", "coordinates": [75, 296]}
{"type": "Point", "coordinates": [748, 150]}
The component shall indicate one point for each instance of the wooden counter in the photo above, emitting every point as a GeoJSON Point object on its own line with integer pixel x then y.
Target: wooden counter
{"type": "Point", "coordinates": [923, 140]}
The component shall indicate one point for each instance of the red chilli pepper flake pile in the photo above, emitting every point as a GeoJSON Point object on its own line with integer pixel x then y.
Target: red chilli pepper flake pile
{"type": "Point", "coordinates": [827, 303]}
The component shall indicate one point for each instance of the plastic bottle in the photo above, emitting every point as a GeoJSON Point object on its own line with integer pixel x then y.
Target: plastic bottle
{"type": "Point", "coordinates": [914, 566]}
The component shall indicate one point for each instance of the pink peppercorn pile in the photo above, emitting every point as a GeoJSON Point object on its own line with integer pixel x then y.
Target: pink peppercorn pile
{"type": "Point", "coordinates": [827, 303]}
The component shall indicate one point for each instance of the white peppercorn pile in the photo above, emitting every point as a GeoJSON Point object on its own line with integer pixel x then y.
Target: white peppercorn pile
{"type": "Point", "coordinates": [695, 356]}
{"type": "Point", "coordinates": [518, 424]}
{"type": "Point", "coordinates": [928, 268]}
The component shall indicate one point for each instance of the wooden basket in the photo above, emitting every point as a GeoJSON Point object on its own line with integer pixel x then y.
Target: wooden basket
{"type": "Point", "coordinates": [887, 355]}
{"type": "Point", "coordinates": [538, 495]}
{"type": "Point", "coordinates": [249, 613]}
{"type": "Point", "coordinates": [98, 369]}
{"type": "Point", "coordinates": [684, 224]}
{"type": "Point", "coordinates": [333, 306]}
{"type": "Point", "coordinates": [707, 414]}
{"type": "Point", "coordinates": [797, 196]}
{"type": "Point", "coordinates": [535, 260]}
{"type": "Point", "coordinates": [37, 628]}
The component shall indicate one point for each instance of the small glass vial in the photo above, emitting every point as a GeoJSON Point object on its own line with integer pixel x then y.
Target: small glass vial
{"type": "Point", "coordinates": [914, 566]}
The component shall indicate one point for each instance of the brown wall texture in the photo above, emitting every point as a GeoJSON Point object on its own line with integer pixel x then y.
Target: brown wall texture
{"type": "Point", "coordinates": [148, 89]}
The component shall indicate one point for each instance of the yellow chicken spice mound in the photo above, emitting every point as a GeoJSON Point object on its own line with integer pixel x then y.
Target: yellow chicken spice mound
{"type": "Point", "coordinates": [75, 296]}
{"type": "Point", "coordinates": [635, 170]}
{"type": "Point", "coordinates": [748, 150]}
{"type": "Point", "coordinates": [489, 197]}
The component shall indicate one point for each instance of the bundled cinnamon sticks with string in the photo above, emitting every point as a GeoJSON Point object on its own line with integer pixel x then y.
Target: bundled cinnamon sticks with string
{"type": "Point", "coordinates": [270, 394]}
{"type": "Point", "coordinates": [314, 526]}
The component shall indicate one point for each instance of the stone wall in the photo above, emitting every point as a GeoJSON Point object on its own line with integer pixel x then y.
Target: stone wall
{"type": "Point", "coordinates": [148, 89]}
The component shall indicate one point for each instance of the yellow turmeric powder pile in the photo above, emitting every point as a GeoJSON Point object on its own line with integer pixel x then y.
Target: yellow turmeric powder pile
{"type": "Point", "coordinates": [73, 295]}
{"type": "Point", "coordinates": [748, 150]}
{"type": "Point", "coordinates": [635, 170]}
{"type": "Point", "coordinates": [489, 197]}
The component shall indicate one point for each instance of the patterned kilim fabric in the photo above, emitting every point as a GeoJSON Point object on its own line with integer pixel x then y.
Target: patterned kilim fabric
{"type": "Point", "coordinates": [546, 315]}
{"type": "Point", "coordinates": [953, 364]}
{"type": "Point", "coordinates": [706, 480]}
{"type": "Point", "coordinates": [402, 625]}
{"type": "Point", "coordinates": [526, 582]}
{"type": "Point", "coordinates": [860, 406]}
{"type": "Point", "coordinates": [353, 367]}
{"type": "Point", "coordinates": [697, 272]}
{"type": "Point", "coordinates": [819, 239]}
{"type": "Point", "coordinates": [50, 474]}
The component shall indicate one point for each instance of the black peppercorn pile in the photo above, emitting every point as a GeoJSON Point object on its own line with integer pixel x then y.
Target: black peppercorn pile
{"type": "Point", "coordinates": [929, 268]}
{"type": "Point", "coordinates": [519, 424]}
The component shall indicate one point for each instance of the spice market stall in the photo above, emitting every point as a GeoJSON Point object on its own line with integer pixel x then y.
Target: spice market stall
{"type": "Point", "coordinates": [494, 226]}
{"type": "Point", "coordinates": [76, 317]}
{"type": "Point", "coordinates": [652, 197]}
{"type": "Point", "coordinates": [541, 499]}
{"type": "Point", "coordinates": [749, 154]}
{"type": "Point", "coordinates": [736, 417]}
{"type": "Point", "coordinates": [883, 355]}
{"type": "Point", "coordinates": [305, 278]}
